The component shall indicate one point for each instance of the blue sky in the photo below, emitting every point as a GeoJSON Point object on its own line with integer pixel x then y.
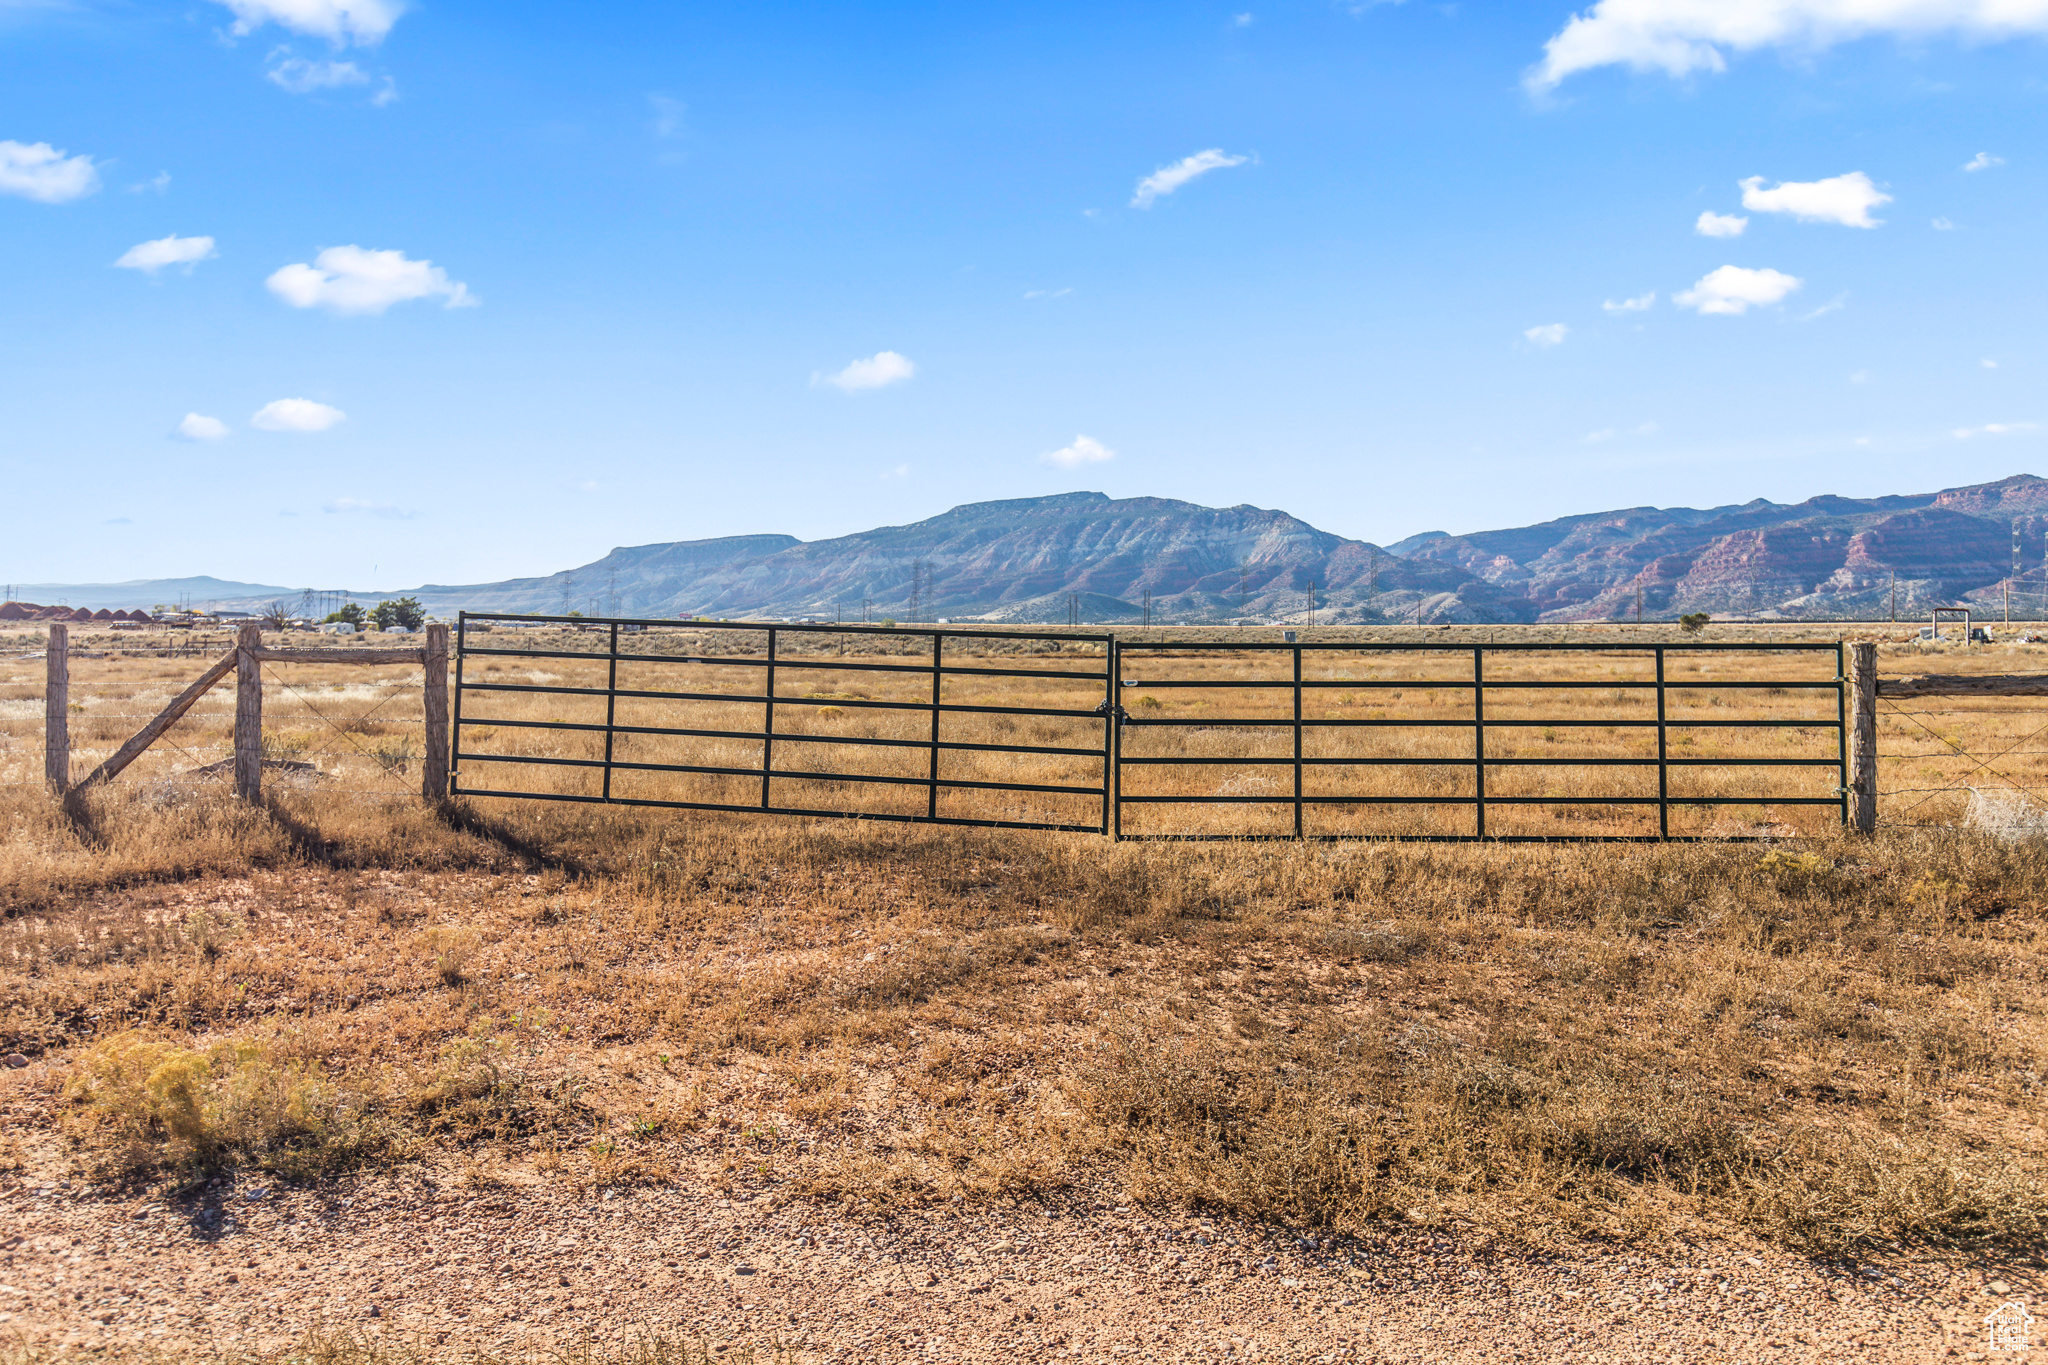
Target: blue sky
{"type": "Point", "coordinates": [493, 288]}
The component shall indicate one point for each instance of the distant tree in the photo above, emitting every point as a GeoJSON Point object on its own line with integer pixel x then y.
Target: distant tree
{"type": "Point", "coordinates": [351, 614]}
{"type": "Point", "coordinates": [276, 616]}
{"type": "Point", "coordinates": [1692, 623]}
{"type": "Point", "coordinates": [399, 611]}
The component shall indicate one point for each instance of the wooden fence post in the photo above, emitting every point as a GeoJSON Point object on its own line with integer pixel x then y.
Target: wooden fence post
{"type": "Point", "coordinates": [434, 767]}
{"type": "Point", "coordinates": [1863, 736]}
{"type": "Point", "coordinates": [57, 711]}
{"type": "Point", "coordinates": [249, 713]}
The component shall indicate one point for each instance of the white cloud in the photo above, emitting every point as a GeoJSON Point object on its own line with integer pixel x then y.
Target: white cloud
{"type": "Point", "coordinates": [1241, 20]}
{"type": "Point", "coordinates": [198, 427]}
{"type": "Point", "coordinates": [1167, 179]}
{"type": "Point", "coordinates": [160, 183]}
{"type": "Point", "coordinates": [1943, 225]}
{"type": "Point", "coordinates": [154, 256]}
{"type": "Point", "coordinates": [1845, 199]}
{"type": "Point", "coordinates": [1735, 289]}
{"type": "Point", "coordinates": [1084, 450]}
{"type": "Point", "coordinates": [1640, 304]}
{"type": "Point", "coordinates": [1711, 224]}
{"type": "Point", "coordinates": [901, 471]}
{"type": "Point", "coordinates": [1550, 334]}
{"type": "Point", "coordinates": [1833, 305]}
{"type": "Point", "coordinates": [366, 507]}
{"type": "Point", "coordinates": [1860, 377]}
{"type": "Point", "coordinates": [1983, 161]}
{"type": "Point", "coordinates": [349, 279]}
{"type": "Point", "coordinates": [880, 369]}
{"type": "Point", "coordinates": [1048, 293]}
{"type": "Point", "coordinates": [296, 414]}
{"type": "Point", "coordinates": [1609, 433]}
{"type": "Point", "coordinates": [340, 22]}
{"type": "Point", "coordinates": [38, 171]}
{"type": "Point", "coordinates": [1988, 363]}
{"type": "Point", "coordinates": [302, 77]}
{"type": "Point", "coordinates": [668, 115]}
{"type": "Point", "coordinates": [1995, 429]}
{"type": "Point", "coordinates": [1679, 37]}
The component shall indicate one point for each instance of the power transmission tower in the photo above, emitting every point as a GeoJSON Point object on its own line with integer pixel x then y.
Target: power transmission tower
{"type": "Point", "coordinates": [2015, 572]}
{"type": "Point", "coordinates": [611, 593]}
{"type": "Point", "coordinates": [568, 593]}
{"type": "Point", "coordinates": [1895, 595]}
{"type": "Point", "coordinates": [1639, 602]}
{"type": "Point", "coordinates": [917, 587]}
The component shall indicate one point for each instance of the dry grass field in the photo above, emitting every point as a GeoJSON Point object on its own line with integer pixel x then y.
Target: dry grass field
{"type": "Point", "coordinates": [1814, 1042]}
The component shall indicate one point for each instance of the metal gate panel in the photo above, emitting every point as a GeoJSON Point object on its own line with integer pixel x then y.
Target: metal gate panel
{"type": "Point", "coordinates": [1481, 762]}
{"type": "Point", "coordinates": [736, 716]}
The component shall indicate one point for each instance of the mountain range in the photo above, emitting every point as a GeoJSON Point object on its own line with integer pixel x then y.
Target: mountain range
{"type": "Point", "coordinates": [1092, 558]}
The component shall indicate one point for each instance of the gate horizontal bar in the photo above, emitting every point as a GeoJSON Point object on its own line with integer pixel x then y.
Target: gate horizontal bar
{"type": "Point", "coordinates": [1467, 761]}
{"type": "Point", "coordinates": [1450, 838]}
{"type": "Point", "coordinates": [784, 810]}
{"type": "Point", "coordinates": [1466, 647]}
{"type": "Point", "coordinates": [1279, 723]}
{"type": "Point", "coordinates": [1489, 800]}
{"type": "Point", "coordinates": [1466, 684]}
{"type": "Point", "coordinates": [779, 736]}
{"type": "Point", "coordinates": [905, 632]}
{"type": "Point", "coordinates": [781, 664]}
{"type": "Point", "coordinates": [921, 707]}
{"type": "Point", "coordinates": [620, 764]}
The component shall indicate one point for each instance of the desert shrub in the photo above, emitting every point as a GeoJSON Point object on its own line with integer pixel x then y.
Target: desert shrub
{"type": "Point", "coordinates": [143, 1103]}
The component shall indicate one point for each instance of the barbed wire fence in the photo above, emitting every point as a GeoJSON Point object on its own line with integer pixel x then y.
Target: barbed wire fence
{"type": "Point", "coordinates": [1983, 779]}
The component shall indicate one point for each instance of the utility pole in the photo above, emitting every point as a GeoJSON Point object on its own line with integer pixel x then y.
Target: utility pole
{"type": "Point", "coordinates": [1895, 596]}
{"type": "Point", "coordinates": [1373, 587]}
{"type": "Point", "coordinates": [1311, 604]}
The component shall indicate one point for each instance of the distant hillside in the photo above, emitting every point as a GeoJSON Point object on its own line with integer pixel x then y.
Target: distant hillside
{"type": "Point", "coordinates": [1828, 557]}
{"type": "Point", "coordinates": [1026, 559]}
{"type": "Point", "coordinates": [1016, 560]}
{"type": "Point", "coordinates": [148, 592]}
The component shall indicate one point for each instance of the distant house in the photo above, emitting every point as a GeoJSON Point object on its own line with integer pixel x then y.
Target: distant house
{"type": "Point", "coordinates": [338, 628]}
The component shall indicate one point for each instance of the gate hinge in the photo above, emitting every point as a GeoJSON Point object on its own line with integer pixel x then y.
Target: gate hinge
{"type": "Point", "coordinates": [1111, 709]}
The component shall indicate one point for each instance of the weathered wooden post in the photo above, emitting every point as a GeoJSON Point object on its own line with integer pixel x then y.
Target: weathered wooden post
{"type": "Point", "coordinates": [434, 768]}
{"type": "Point", "coordinates": [57, 711]}
{"type": "Point", "coordinates": [1863, 736]}
{"type": "Point", "coordinates": [249, 713]}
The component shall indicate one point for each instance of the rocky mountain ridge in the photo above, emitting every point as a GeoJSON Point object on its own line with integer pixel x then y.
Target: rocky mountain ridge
{"type": "Point", "coordinates": [1092, 558]}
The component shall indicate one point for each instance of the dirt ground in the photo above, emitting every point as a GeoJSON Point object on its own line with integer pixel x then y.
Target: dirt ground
{"type": "Point", "coordinates": [434, 1260]}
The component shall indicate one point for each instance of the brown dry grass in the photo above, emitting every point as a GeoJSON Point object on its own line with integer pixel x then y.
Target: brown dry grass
{"type": "Point", "coordinates": [347, 1348]}
{"type": "Point", "coordinates": [1824, 1042]}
